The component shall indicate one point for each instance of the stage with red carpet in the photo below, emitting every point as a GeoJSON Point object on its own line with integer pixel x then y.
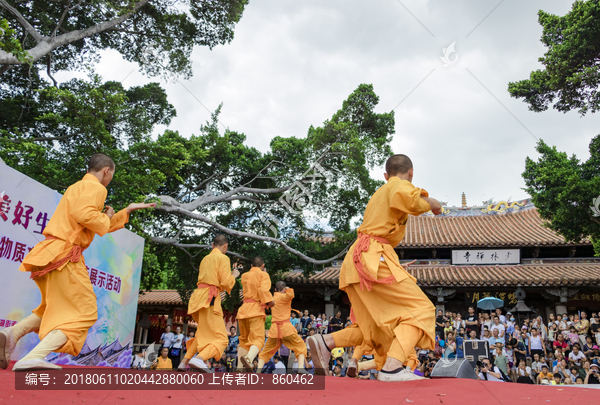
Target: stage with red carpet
{"type": "Point", "coordinates": [337, 391]}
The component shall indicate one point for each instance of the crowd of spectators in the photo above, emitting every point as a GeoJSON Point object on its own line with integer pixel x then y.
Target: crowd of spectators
{"type": "Point", "coordinates": [563, 350]}
{"type": "Point", "coordinates": [173, 348]}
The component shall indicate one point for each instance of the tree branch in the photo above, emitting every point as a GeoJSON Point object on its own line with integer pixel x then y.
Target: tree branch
{"type": "Point", "coordinates": [183, 246]}
{"type": "Point", "coordinates": [62, 18]}
{"type": "Point", "coordinates": [43, 138]}
{"type": "Point", "coordinates": [48, 64]}
{"type": "Point", "coordinates": [247, 198]}
{"type": "Point", "coordinates": [46, 44]}
{"type": "Point", "coordinates": [233, 232]}
{"type": "Point", "coordinates": [22, 21]}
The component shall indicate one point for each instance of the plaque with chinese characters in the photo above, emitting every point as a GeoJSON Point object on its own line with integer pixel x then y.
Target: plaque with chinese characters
{"type": "Point", "coordinates": [486, 256]}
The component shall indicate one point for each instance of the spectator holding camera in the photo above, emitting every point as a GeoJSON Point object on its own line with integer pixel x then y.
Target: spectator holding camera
{"type": "Point", "coordinates": [489, 373]}
{"type": "Point", "coordinates": [592, 375]}
{"type": "Point", "coordinates": [524, 373]}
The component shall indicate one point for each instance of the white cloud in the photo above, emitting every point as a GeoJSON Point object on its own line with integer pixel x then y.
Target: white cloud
{"type": "Point", "coordinates": [292, 64]}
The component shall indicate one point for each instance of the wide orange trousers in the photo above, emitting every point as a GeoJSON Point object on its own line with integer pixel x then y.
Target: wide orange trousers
{"type": "Point", "coordinates": [392, 319]}
{"type": "Point", "coordinates": [68, 304]}
{"type": "Point", "coordinates": [352, 336]}
{"type": "Point", "coordinates": [293, 342]}
{"type": "Point", "coordinates": [211, 336]}
{"type": "Point", "coordinates": [252, 332]}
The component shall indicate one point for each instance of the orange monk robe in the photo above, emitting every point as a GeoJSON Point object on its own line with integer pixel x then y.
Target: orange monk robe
{"type": "Point", "coordinates": [211, 336]}
{"type": "Point", "coordinates": [68, 299]}
{"type": "Point", "coordinates": [350, 336]}
{"type": "Point", "coordinates": [396, 317]}
{"type": "Point", "coordinates": [282, 330]}
{"type": "Point", "coordinates": [256, 285]}
{"type": "Point", "coordinates": [164, 364]}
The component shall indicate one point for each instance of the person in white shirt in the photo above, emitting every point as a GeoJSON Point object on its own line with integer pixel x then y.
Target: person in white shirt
{"type": "Point", "coordinates": [499, 326]}
{"type": "Point", "coordinates": [486, 324]}
{"type": "Point", "coordinates": [576, 356]}
{"type": "Point", "coordinates": [167, 337]}
{"type": "Point", "coordinates": [176, 347]}
{"type": "Point", "coordinates": [279, 366]}
{"type": "Point", "coordinates": [500, 316]}
{"type": "Point", "coordinates": [489, 373]}
{"type": "Point", "coordinates": [458, 323]}
{"type": "Point", "coordinates": [524, 373]}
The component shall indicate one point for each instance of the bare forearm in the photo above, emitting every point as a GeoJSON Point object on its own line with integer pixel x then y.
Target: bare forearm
{"type": "Point", "coordinates": [433, 203]}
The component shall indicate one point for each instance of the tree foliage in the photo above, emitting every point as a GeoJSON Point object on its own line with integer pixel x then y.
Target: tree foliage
{"type": "Point", "coordinates": [571, 76]}
{"type": "Point", "coordinates": [563, 190]}
{"type": "Point", "coordinates": [69, 34]}
{"type": "Point", "coordinates": [213, 175]}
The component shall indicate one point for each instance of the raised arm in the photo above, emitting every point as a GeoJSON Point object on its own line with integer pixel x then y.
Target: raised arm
{"type": "Point", "coordinates": [225, 275]}
{"type": "Point", "coordinates": [264, 292]}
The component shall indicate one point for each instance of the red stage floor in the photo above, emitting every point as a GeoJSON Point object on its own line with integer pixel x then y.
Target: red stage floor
{"type": "Point", "coordinates": [337, 391]}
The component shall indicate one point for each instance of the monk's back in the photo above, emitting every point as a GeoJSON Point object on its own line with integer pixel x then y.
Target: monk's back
{"type": "Point", "coordinates": [387, 212]}
{"type": "Point", "coordinates": [210, 265]}
{"type": "Point", "coordinates": [251, 284]}
{"type": "Point", "coordinates": [64, 222]}
{"type": "Point", "coordinates": [283, 305]}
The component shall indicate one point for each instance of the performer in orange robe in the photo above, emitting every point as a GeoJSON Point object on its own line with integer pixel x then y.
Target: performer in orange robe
{"type": "Point", "coordinates": [282, 330]}
{"type": "Point", "coordinates": [205, 306]}
{"type": "Point", "coordinates": [256, 285]}
{"type": "Point", "coordinates": [392, 312]}
{"type": "Point", "coordinates": [163, 362]}
{"type": "Point", "coordinates": [68, 308]}
{"type": "Point", "coordinates": [349, 336]}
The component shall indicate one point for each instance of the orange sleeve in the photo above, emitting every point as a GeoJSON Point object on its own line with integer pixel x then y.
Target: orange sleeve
{"type": "Point", "coordinates": [226, 280]}
{"type": "Point", "coordinates": [86, 212]}
{"type": "Point", "coordinates": [407, 198]}
{"type": "Point", "coordinates": [264, 291]}
{"type": "Point", "coordinates": [289, 295]}
{"type": "Point", "coordinates": [119, 220]}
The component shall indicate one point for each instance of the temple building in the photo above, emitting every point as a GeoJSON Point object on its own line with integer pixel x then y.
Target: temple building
{"type": "Point", "coordinates": [499, 249]}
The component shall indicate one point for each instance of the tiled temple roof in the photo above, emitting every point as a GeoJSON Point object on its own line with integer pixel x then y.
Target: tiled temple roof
{"type": "Point", "coordinates": [515, 229]}
{"type": "Point", "coordinates": [552, 273]}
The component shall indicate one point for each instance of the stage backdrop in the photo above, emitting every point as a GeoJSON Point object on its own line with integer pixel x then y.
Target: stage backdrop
{"type": "Point", "coordinates": [114, 264]}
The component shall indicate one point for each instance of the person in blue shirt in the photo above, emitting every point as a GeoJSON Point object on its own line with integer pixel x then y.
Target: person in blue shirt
{"type": "Point", "coordinates": [295, 321]}
{"type": "Point", "coordinates": [269, 367]}
{"type": "Point", "coordinates": [234, 340]}
{"type": "Point", "coordinates": [495, 339]}
{"type": "Point", "coordinates": [459, 347]}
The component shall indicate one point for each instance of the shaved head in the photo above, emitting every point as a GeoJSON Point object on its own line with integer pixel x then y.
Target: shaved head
{"type": "Point", "coordinates": [99, 161]}
{"type": "Point", "coordinates": [398, 164]}
{"type": "Point", "coordinates": [257, 261]}
{"type": "Point", "coordinates": [220, 240]}
{"type": "Point", "coordinates": [280, 285]}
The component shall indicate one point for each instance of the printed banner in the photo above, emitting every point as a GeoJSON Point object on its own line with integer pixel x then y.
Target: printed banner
{"type": "Point", "coordinates": [114, 264]}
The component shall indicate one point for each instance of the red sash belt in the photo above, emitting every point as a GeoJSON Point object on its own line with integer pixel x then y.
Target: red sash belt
{"type": "Point", "coordinates": [279, 337]}
{"type": "Point", "coordinates": [366, 280]}
{"type": "Point", "coordinates": [73, 257]}
{"type": "Point", "coordinates": [213, 291]}
{"type": "Point", "coordinates": [252, 300]}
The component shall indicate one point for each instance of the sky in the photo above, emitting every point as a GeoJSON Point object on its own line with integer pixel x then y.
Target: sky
{"type": "Point", "coordinates": [292, 64]}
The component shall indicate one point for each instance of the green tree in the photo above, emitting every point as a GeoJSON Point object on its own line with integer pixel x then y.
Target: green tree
{"type": "Point", "coordinates": [157, 34]}
{"type": "Point", "coordinates": [563, 190]}
{"type": "Point", "coordinates": [263, 201]}
{"type": "Point", "coordinates": [208, 183]}
{"type": "Point", "coordinates": [571, 76]}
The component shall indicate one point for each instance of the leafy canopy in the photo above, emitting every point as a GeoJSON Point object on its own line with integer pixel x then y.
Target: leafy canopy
{"type": "Point", "coordinates": [571, 76]}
